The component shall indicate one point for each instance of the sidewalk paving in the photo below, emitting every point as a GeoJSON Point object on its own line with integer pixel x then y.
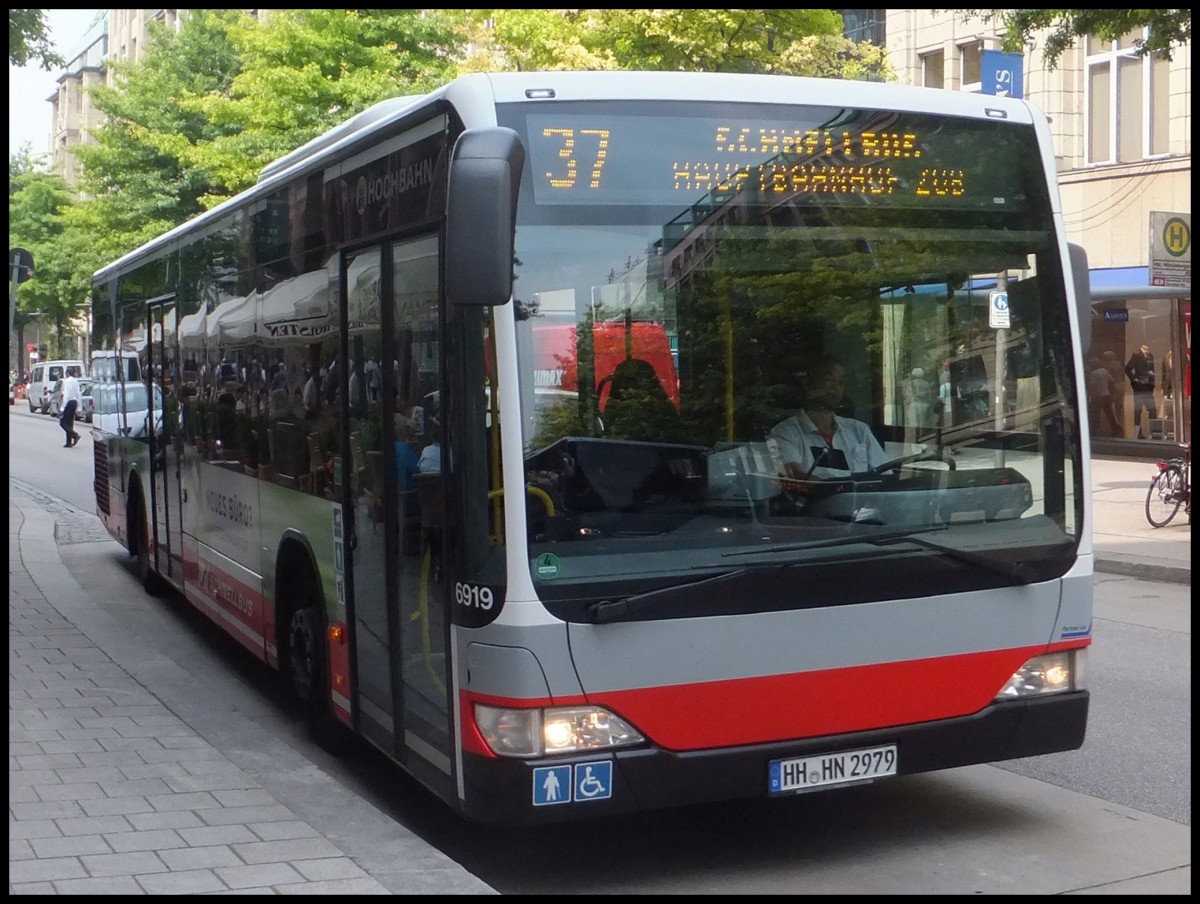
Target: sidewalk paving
{"type": "Point", "coordinates": [1122, 538]}
{"type": "Point", "coordinates": [111, 793]}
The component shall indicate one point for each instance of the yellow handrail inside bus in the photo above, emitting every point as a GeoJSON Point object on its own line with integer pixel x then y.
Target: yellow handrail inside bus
{"type": "Point", "coordinates": [535, 490]}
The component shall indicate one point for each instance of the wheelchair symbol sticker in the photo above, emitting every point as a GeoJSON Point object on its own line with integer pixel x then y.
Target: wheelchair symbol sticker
{"type": "Point", "coordinates": [554, 785]}
{"type": "Point", "coordinates": [593, 781]}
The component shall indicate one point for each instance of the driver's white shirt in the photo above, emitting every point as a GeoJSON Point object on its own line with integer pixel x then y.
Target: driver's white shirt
{"type": "Point", "coordinates": [794, 439]}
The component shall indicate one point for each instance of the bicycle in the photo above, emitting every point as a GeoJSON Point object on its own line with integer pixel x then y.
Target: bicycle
{"type": "Point", "coordinates": [1170, 488]}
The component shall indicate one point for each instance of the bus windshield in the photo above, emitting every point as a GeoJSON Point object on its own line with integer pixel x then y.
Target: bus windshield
{"type": "Point", "coordinates": [761, 338]}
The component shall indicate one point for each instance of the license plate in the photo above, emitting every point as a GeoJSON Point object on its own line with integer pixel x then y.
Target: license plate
{"type": "Point", "coordinates": [824, 770]}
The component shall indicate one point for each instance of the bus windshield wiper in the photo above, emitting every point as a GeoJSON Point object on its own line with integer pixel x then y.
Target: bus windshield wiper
{"type": "Point", "coordinates": [605, 611]}
{"type": "Point", "coordinates": [1014, 571]}
{"type": "Point", "coordinates": [843, 540]}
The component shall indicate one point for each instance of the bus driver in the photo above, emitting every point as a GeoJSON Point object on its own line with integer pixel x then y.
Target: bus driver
{"type": "Point", "coordinates": [817, 442]}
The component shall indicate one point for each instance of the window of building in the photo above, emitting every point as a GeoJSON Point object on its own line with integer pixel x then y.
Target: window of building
{"type": "Point", "coordinates": [933, 69]}
{"type": "Point", "coordinates": [865, 25]}
{"type": "Point", "coordinates": [972, 69]}
{"type": "Point", "coordinates": [1127, 101]}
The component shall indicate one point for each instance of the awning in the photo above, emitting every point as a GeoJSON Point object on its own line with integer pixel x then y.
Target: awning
{"type": "Point", "coordinates": [232, 320]}
{"type": "Point", "coordinates": [193, 329]}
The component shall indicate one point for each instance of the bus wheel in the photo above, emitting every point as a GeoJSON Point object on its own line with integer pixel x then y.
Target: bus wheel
{"type": "Point", "coordinates": [310, 680]}
{"type": "Point", "coordinates": [140, 539]}
{"type": "Point", "coordinates": [305, 655]}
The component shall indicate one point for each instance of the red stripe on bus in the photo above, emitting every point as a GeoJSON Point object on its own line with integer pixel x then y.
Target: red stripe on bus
{"type": "Point", "coordinates": [203, 583]}
{"type": "Point", "coordinates": [735, 712]}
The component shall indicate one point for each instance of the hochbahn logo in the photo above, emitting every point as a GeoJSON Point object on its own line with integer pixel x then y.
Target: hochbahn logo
{"type": "Point", "coordinates": [380, 189]}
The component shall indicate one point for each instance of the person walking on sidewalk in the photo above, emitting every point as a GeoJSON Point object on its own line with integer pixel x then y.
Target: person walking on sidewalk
{"type": "Point", "coordinates": [71, 398]}
{"type": "Point", "coordinates": [1100, 398]}
{"type": "Point", "coordinates": [1140, 370]}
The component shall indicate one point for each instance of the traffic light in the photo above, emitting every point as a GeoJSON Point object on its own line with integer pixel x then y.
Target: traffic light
{"type": "Point", "coordinates": [29, 346]}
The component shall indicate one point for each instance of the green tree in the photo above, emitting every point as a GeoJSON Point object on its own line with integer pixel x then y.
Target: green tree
{"type": "Point", "coordinates": [141, 172]}
{"type": "Point", "coordinates": [527, 40]}
{"type": "Point", "coordinates": [29, 39]}
{"type": "Point", "coordinates": [204, 109]}
{"type": "Point", "coordinates": [1168, 27]}
{"type": "Point", "coordinates": [302, 72]}
{"type": "Point", "coordinates": [791, 42]}
{"type": "Point", "coordinates": [707, 40]}
{"type": "Point", "coordinates": [37, 205]}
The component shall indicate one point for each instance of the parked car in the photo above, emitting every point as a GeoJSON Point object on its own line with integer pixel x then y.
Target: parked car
{"type": "Point", "coordinates": [127, 413]}
{"type": "Point", "coordinates": [45, 374]}
{"type": "Point", "coordinates": [85, 391]}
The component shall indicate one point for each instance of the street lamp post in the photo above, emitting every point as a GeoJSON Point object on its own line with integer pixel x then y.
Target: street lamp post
{"type": "Point", "coordinates": [87, 336]}
{"type": "Point", "coordinates": [36, 317]}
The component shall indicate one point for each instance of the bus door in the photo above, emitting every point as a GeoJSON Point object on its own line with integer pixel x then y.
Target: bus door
{"type": "Point", "coordinates": [398, 605]}
{"type": "Point", "coordinates": [160, 427]}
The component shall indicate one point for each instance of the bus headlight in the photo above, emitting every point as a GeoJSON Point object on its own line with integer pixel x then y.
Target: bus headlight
{"type": "Point", "coordinates": [1050, 673]}
{"type": "Point", "coordinates": [556, 729]}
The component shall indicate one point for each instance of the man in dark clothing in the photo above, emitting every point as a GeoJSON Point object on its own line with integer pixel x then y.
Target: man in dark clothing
{"type": "Point", "coordinates": [1140, 370]}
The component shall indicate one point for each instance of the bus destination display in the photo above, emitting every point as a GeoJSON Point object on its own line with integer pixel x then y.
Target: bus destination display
{"type": "Point", "coordinates": [618, 159]}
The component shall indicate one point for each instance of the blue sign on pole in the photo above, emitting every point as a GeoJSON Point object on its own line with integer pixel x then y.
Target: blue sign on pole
{"type": "Point", "coordinates": [1002, 73]}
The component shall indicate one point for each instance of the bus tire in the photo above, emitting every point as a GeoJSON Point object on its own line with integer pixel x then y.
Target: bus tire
{"type": "Point", "coordinates": [308, 673]}
{"type": "Point", "coordinates": [139, 539]}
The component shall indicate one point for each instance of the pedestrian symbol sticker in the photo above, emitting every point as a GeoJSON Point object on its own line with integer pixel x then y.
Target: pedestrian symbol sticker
{"type": "Point", "coordinates": [562, 784]}
{"type": "Point", "coordinates": [551, 785]}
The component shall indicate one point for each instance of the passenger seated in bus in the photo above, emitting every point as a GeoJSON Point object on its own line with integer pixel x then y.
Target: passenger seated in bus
{"type": "Point", "coordinates": [431, 456]}
{"type": "Point", "coordinates": [817, 442]}
{"type": "Point", "coordinates": [408, 463]}
{"type": "Point", "coordinates": [636, 405]}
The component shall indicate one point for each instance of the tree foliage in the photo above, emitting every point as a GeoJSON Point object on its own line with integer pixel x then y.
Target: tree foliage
{"type": "Point", "coordinates": [29, 39]}
{"type": "Point", "coordinates": [37, 204]}
{"type": "Point", "coordinates": [1168, 28]}
{"type": "Point", "coordinates": [707, 40]}
{"type": "Point", "coordinates": [141, 170]}
{"type": "Point", "coordinates": [302, 72]}
{"type": "Point", "coordinates": [790, 42]}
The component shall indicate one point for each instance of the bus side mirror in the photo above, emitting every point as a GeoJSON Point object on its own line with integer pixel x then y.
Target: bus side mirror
{"type": "Point", "coordinates": [481, 208]}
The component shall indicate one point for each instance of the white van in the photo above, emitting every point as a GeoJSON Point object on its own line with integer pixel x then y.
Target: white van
{"type": "Point", "coordinates": [105, 364]}
{"type": "Point", "coordinates": [45, 375]}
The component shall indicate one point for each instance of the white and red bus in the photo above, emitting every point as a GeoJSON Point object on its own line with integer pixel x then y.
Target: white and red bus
{"type": "Point", "coordinates": [609, 597]}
